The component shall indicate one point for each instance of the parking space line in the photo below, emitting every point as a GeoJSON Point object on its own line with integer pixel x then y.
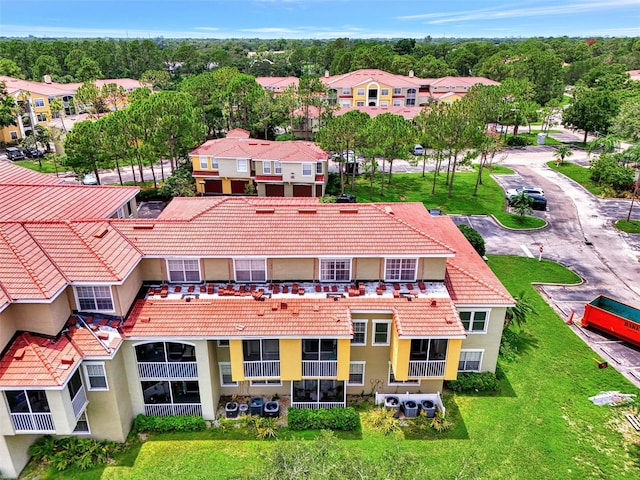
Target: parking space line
{"type": "Point", "coordinates": [526, 251]}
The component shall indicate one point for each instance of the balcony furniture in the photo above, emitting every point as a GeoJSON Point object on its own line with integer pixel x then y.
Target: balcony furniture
{"type": "Point", "coordinates": [256, 406]}
{"type": "Point", "coordinates": [231, 410]}
{"type": "Point", "coordinates": [271, 409]}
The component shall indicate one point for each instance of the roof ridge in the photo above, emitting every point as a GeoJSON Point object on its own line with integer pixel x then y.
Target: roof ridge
{"type": "Point", "coordinates": [36, 349]}
{"type": "Point", "coordinates": [479, 280]}
{"type": "Point", "coordinates": [27, 266]}
{"type": "Point", "coordinates": [93, 250]}
{"type": "Point", "coordinates": [413, 227]}
{"type": "Point", "coordinates": [44, 251]}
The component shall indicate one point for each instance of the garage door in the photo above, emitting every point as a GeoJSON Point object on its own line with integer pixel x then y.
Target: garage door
{"type": "Point", "coordinates": [213, 186]}
{"type": "Point", "coordinates": [302, 190]}
{"type": "Point", "coordinates": [238, 187]}
{"type": "Point", "coordinates": [274, 190]}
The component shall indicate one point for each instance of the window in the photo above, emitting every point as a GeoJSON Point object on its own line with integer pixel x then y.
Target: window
{"type": "Point", "coordinates": [384, 103]}
{"type": "Point", "coordinates": [41, 117]}
{"type": "Point", "coordinates": [204, 163]}
{"type": "Point", "coordinates": [346, 104]}
{"type": "Point", "coordinates": [346, 91]}
{"type": "Point", "coordinates": [384, 91]}
{"type": "Point", "coordinates": [225, 375]}
{"type": "Point", "coordinates": [400, 269]}
{"type": "Point", "coordinates": [335, 270]}
{"type": "Point", "coordinates": [359, 332]}
{"type": "Point", "coordinates": [381, 330]}
{"type": "Point", "coordinates": [392, 379]}
{"type": "Point", "coordinates": [359, 104]}
{"type": "Point", "coordinates": [316, 349]}
{"type": "Point", "coordinates": [251, 270]}
{"type": "Point", "coordinates": [266, 168]}
{"type": "Point", "coordinates": [241, 165]}
{"type": "Point", "coordinates": [411, 97]}
{"type": "Point", "coordinates": [14, 135]}
{"type": "Point", "coordinates": [319, 168]}
{"type": "Point", "coordinates": [183, 270]}
{"type": "Point", "coordinates": [94, 298]}
{"type": "Point", "coordinates": [38, 102]}
{"type": "Point", "coordinates": [397, 91]}
{"type": "Point", "coordinates": [214, 163]}
{"type": "Point", "coordinates": [474, 322]}
{"type": "Point", "coordinates": [223, 343]}
{"type": "Point", "coordinates": [82, 426]}
{"type": "Point", "coordinates": [27, 401]}
{"type": "Point", "coordinates": [470, 360]}
{"type": "Point", "coordinates": [356, 373]}
{"type": "Point", "coordinates": [306, 169]}
{"type": "Point", "coordinates": [95, 375]}
{"type": "Point", "coordinates": [428, 349]}
{"type": "Point", "coordinates": [361, 91]}
{"type": "Point", "coordinates": [161, 352]}
{"type": "Point", "coordinates": [75, 384]}
{"type": "Point", "coordinates": [397, 103]}
{"type": "Point", "coordinates": [266, 383]}
{"type": "Point", "coordinates": [261, 350]}
{"type": "Point", "coordinates": [170, 392]}
{"type": "Point", "coordinates": [277, 168]}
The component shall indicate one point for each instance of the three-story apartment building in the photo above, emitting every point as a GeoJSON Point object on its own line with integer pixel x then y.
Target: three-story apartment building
{"type": "Point", "coordinates": [103, 318]}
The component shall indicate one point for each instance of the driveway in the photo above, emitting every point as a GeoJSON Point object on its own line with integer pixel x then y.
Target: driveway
{"type": "Point", "coordinates": [579, 235]}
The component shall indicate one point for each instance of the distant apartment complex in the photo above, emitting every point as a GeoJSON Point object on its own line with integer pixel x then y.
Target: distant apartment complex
{"type": "Point", "coordinates": [104, 316]}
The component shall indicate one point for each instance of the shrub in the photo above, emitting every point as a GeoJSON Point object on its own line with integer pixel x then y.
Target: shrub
{"type": "Point", "coordinates": [475, 382]}
{"type": "Point", "coordinates": [474, 238]}
{"type": "Point", "coordinates": [517, 141]}
{"type": "Point", "coordinates": [382, 420]}
{"type": "Point", "coordinates": [344, 419]}
{"type": "Point", "coordinates": [606, 171]}
{"type": "Point", "coordinates": [439, 423]}
{"type": "Point", "coordinates": [178, 423]}
{"type": "Point", "coordinates": [82, 453]}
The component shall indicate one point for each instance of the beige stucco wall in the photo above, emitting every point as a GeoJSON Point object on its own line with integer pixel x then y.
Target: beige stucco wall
{"type": "Point", "coordinates": [490, 341]}
{"type": "Point", "coordinates": [130, 364]}
{"type": "Point", "coordinates": [208, 398]}
{"type": "Point", "coordinates": [228, 168]}
{"type": "Point", "coordinates": [432, 268]}
{"type": "Point", "coordinates": [217, 269]}
{"type": "Point", "coordinates": [125, 294]}
{"type": "Point", "coordinates": [14, 454]}
{"type": "Point", "coordinates": [290, 358]}
{"type": "Point", "coordinates": [152, 269]}
{"type": "Point", "coordinates": [214, 373]}
{"type": "Point", "coordinates": [45, 318]}
{"type": "Point", "coordinates": [367, 269]}
{"type": "Point", "coordinates": [7, 327]}
{"type": "Point", "coordinates": [291, 269]}
{"type": "Point", "coordinates": [61, 410]}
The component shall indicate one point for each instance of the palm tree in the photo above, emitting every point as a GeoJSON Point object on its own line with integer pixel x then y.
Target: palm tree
{"type": "Point", "coordinates": [562, 152]}
{"type": "Point", "coordinates": [606, 144]}
{"type": "Point", "coordinates": [57, 109]}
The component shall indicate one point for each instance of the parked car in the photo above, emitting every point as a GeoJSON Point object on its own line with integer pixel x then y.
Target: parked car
{"type": "Point", "coordinates": [539, 201]}
{"type": "Point", "coordinates": [14, 153]}
{"type": "Point", "coordinates": [33, 152]}
{"type": "Point", "coordinates": [418, 150]}
{"type": "Point", "coordinates": [528, 189]}
{"type": "Point", "coordinates": [90, 179]}
{"type": "Point", "coordinates": [346, 198]}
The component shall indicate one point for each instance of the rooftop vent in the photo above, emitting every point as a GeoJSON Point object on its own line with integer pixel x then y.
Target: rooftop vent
{"type": "Point", "coordinates": [19, 354]}
{"type": "Point", "coordinates": [143, 226]}
{"type": "Point", "coordinates": [434, 303]}
{"type": "Point", "coordinates": [389, 210]}
{"type": "Point", "coordinates": [67, 360]}
{"type": "Point", "coordinates": [307, 210]}
{"type": "Point", "coordinates": [101, 232]}
{"type": "Point", "coordinates": [145, 319]}
{"type": "Point", "coordinates": [265, 210]}
{"type": "Point", "coordinates": [348, 210]}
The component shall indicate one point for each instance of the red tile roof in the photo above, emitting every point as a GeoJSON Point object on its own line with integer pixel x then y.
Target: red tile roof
{"type": "Point", "coordinates": [242, 147]}
{"type": "Point", "coordinates": [291, 317]}
{"type": "Point", "coordinates": [12, 174]}
{"type": "Point", "coordinates": [268, 227]}
{"type": "Point", "coordinates": [358, 77]}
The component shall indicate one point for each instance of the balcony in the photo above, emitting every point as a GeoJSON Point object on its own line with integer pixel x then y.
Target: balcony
{"type": "Point", "coordinates": [317, 405]}
{"type": "Point", "coordinates": [426, 368]}
{"type": "Point", "coordinates": [262, 369]}
{"type": "Point", "coordinates": [167, 370]}
{"type": "Point", "coordinates": [32, 423]}
{"type": "Point", "coordinates": [171, 409]}
{"type": "Point", "coordinates": [319, 368]}
{"type": "Point", "coordinates": [79, 402]}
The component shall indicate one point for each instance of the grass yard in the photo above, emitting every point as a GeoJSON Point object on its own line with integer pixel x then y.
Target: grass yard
{"type": "Point", "coordinates": [47, 162]}
{"type": "Point", "coordinates": [541, 425]}
{"type": "Point", "coordinates": [578, 174]}
{"type": "Point", "coordinates": [629, 226]}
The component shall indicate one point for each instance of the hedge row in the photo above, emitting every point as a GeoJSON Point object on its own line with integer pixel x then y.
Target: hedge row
{"type": "Point", "coordinates": [344, 419]}
{"type": "Point", "coordinates": [475, 382]}
{"type": "Point", "coordinates": [178, 423]}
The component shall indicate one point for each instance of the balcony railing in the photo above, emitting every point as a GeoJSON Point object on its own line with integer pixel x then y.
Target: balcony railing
{"type": "Point", "coordinates": [269, 368]}
{"type": "Point", "coordinates": [171, 409]}
{"type": "Point", "coordinates": [167, 370]}
{"type": "Point", "coordinates": [33, 422]}
{"type": "Point", "coordinates": [319, 368]}
{"type": "Point", "coordinates": [79, 402]}
{"type": "Point", "coordinates": [317, 405]}
{"type": "Point", "coordinates": [426, 368]}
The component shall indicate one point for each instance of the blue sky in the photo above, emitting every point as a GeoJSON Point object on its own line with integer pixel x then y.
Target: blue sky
{"type": "Point", "coordinates": [318, 18]}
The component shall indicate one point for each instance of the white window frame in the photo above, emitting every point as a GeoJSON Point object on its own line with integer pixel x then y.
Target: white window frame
{"type": "Point", "coordinates": [397, 102]}
{"type": "Point", "coordinates": [266, 167]}
{"type": "Point", "coordinates": [242, 165]}
{"type": "Point", "coordinates": [333, 270]}
{"type": "Point", "coordinates": [222, 382]}
{"type": "Point", "coordinates": [481, 352]}
{"type": "Point", "coordinates": [251, 270]}
{"type": "Point", "coordinates": [400, 383]}
{"type": "Point", "coordinates": [183, 270]}
{"type": "Point", "coordinates": [14, 135]}
{"type": "Point", "coordinates": [266, 383]}
{"type": "Point", "coordinates": [204, 163]}
{"type": "Point", "coordinates": [277, 167]}
{"type": "Point", "coordinates": [387, 274]}
{"type": "Point", "coordinates": [346, 91]}
{"type": "Point", "coordinates": [360, 104]}
{"type": "Point", "coordinates": [373, 332]}
{"type": "Point", "coordinates": [88, 376]}
{"type": "Point", "coordinates": [361, 364]}
{"type": "Point", "coordinates": [38, 102]}
{"type": "Point", "coordinates": [319, 168]}
{"type": "Point", "coordinates": [346, 104]}
{"type": "Point", "coordinates": [86, 419]}
{"type": "Point", "coordinates": [214, 163]}
{"type": "Point", "coordinates": [397, 90]}
{"type": "Point", "coordinates": [471, 319]}
{"type": "Point", "coordinates": [94, 297]}
{"type": "Point", "coordinates": [359, 322]}
{"type": "Point", "coordinates": [307, 170]}
{"type": "Point", "coordinates": [223, 345]}
{"type": "Point", "coordinates": [41, 117]}
{"type": "Point", "coordinates": [360, 92]}
{"type": "Point", "coordinates": [384, 103]}
{"type": "Point", "coordinates": [384, 92]}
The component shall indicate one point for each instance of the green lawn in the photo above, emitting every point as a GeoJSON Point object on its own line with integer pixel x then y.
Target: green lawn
{"type": "Point", "coordinates": [46, 165]}
{"type": "Point", "coordinates": [578, 174]}
{"type": "Point", "coordinates": [541, 425]}
{"type": "Point", "coordinates": [629, 226]}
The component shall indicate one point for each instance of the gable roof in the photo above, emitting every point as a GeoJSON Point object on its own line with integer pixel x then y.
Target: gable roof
{"type": "Point", "coordinates": [12, 174]}
{"type": "Point", "coordinates": [236, 146]}
{"type": "Point", "coordinates": [366, 75]}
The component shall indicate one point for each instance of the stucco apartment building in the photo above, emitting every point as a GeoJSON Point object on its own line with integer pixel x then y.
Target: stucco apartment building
{"type": "Point", "coordinates": [228, 166]}
{"type": "Point", "coordinates": [40, 94]}
{"type": "Point", "coordinates": [103, 318]}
